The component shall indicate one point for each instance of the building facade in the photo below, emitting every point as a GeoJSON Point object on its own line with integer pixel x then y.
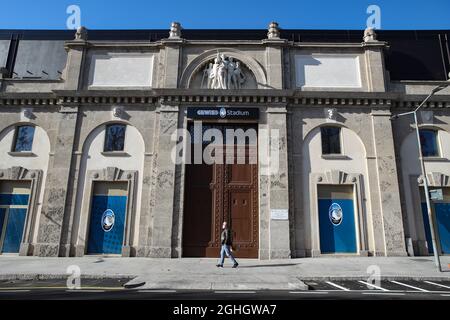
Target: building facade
{"type": "Point", "coordinates": [89, 142]}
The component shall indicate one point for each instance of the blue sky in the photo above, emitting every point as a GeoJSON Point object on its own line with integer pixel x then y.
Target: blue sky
{"type": "Point", "coordinates": [204, 14]}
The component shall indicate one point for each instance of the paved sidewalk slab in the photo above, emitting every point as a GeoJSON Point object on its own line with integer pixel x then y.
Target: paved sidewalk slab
{"type": "Point", "coordinates": [202, 274]}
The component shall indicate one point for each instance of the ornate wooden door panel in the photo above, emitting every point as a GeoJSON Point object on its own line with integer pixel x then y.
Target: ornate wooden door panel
{"type": "Point", "coordinates": [241, 207]}
{"type": "Point", "coordinates": [198, 206]}
{"type": "Point", "coordinates": [217, 193]}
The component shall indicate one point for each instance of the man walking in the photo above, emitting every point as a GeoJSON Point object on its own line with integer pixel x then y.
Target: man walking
{"type": "Point", "coordinates": [227, 241]}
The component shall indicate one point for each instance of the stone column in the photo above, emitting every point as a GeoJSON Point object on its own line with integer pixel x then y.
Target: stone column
{"type": "Point", "coordinates": [76, 51]}
{"type": "Point", "coordinates": [145, 228]}
{"type": "Point", "coordinates": [56, 186]}
{"type": "Point", "coordinates": [374, 58]}
{"type": "Point", "coordinates": [387, 220]}
{"type": "Point", "coordinates": [274, 62]}
{"type": "Point", "coordinates": [172, 53]}
{"type": "Point", "coordinates": [163, 183]}
{"type": "Point", "coordinates": [279, 233]}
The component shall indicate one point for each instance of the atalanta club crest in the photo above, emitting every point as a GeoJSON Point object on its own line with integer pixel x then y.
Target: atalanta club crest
{"type": "Point", "coordinates": [108, 219]}
{"type": "Point", "coordinates": [335, 214]}
{"type": "Point", "coordinates": [223, 112]}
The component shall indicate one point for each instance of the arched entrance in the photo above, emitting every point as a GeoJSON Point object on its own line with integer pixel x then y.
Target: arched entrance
{"type": "Point", "coordinates": [217, 192]}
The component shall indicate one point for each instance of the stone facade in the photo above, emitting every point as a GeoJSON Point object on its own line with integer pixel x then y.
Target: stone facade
{"type": "Point", "coordinates": [292, 83]}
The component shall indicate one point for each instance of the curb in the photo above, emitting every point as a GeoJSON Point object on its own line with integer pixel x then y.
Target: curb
{"type": "Point", "coordinates": [41, 276]}
{"type": "Point", "coordinates": [387, 278]}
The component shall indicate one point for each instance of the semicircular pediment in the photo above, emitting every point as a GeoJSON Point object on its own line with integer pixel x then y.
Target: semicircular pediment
{"type": "Point", "coordinates": [223, 69]}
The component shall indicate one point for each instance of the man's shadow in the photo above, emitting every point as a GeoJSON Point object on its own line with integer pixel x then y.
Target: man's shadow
{"type": "Point", "coordinates": [271, 265]}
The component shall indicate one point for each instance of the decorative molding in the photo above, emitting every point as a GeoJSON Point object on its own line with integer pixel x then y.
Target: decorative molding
{"type": "Point", "coordinates": [26, 114]}
{"type": "Point", "coordinates": [330, 114]}
{"type": "Point", "coordinates": [427, 116]}
{"type": "Point", "coordinates": [294, 98]}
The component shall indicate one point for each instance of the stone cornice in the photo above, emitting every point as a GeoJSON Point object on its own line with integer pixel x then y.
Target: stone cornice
{"type": "Point", "coordinates": [208, 97]}
{"type": "Point", "coordinates": [183, 42]}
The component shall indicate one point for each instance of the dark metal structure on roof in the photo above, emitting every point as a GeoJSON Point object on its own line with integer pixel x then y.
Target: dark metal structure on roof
{"type": "Point", "coordinates": [412, 55]}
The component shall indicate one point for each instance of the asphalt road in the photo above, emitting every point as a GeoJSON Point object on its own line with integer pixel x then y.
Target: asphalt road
{"type": "Point", "coordinates": [112, 289]}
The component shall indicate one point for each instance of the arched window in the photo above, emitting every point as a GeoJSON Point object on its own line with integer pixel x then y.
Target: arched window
{"type": "Point", "coordinates": [429, 142]}
{"type": "Point", "coordinates": [115, 137]}
{"type": "Point", "coordinates": [23, 139]}
{"type": "Point", "coordinates": [331, 140]}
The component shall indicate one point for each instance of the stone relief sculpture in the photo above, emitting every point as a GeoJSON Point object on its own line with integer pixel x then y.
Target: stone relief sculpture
{"type": "Point", "coordinates": [330, 114]}
{"type": "Point", "coordinates": [223, 73]}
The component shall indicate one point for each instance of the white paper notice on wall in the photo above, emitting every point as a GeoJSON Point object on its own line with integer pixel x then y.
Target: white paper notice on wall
{"type": "Point", "coordinates": [279, 214]}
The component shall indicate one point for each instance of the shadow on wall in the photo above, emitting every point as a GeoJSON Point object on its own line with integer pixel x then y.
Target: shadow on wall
{"type": "Point", "coordinates": [305, 61]}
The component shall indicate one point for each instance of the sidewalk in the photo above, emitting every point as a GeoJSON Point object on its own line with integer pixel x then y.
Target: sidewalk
{"type": "Point", "coordinates": [202, 274]}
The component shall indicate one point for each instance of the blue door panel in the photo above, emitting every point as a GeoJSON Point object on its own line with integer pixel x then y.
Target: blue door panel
{"type": "Point", "coordinates": [335, 238]}
{"type": "Point", "coordinates": [111, 241]}
{"type": "Point", "coordinates": [442, 212]}
{"type": "Point", "coordinates": [426, 224]}
{"type": "Point", "coordinates": [14, 230]}
{"type": "Point", "coordinates": [443, 225]}
{"type": "Point", "coordinates": [2, 219]}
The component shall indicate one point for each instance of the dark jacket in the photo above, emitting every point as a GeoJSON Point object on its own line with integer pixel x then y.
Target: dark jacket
{"type": "Point", "coordinates": [226, 237]}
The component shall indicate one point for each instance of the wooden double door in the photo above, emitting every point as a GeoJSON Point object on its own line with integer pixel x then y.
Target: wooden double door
{"type": "Point", "coordinates": [222, 192]}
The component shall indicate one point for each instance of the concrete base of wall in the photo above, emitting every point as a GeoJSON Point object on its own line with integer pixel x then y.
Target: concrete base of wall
{"type": "Point", "coordinates": [26, 249]}
{"type": "Point", "coordinates": [160, 252]}
{"type": "Point", "coordinates": [280, 254]}
{"type": "Point", "coordinates": [46, 250]}
{"type": "Point", "coordinates": [65, 250]}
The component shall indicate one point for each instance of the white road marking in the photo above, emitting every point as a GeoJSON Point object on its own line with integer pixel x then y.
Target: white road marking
{"type": "Point", "coordinates": [315, 292]}
{"type": "Point", "coordinates": [386, 293]}
{"type": "Point", "coordinates": [445, 295]}
{"type": "Point", "coordinates": [158, 291]}
{"type": "Point", "coordinates": [437, 284]}
{"type": "Point", "coordinates": [373, 286]}
{"type": "Point", "coordinates": [409, 286]}
{"type": "Point", "coordinates": [9, 291]}
{"type": "Point", "coordinates": [234, 292]}
{"type": "Point", "coordinates": [82, 290]}
{"type": "Point", "coordinates": [337, 286]}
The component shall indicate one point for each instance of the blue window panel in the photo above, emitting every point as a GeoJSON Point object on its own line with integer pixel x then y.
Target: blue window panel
{"type": "Point", "coordinates": [115, 137]}
{"type": "Point", "coordinates": [24, 138]}
{"type": "Point", "coordinates": [14, 199]}
{"type": "Point", "coordinates": [14, 230]}
{"type": "Point", "coordinates": [100, 241]}
{"type": "Point", "coordinates": [428, 141]}
{"type": "Point", "coordinates": [337, 238]}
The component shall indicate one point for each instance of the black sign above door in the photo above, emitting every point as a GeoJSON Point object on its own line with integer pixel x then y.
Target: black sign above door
{"type": "Point", "coordinates": [234, 113]}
